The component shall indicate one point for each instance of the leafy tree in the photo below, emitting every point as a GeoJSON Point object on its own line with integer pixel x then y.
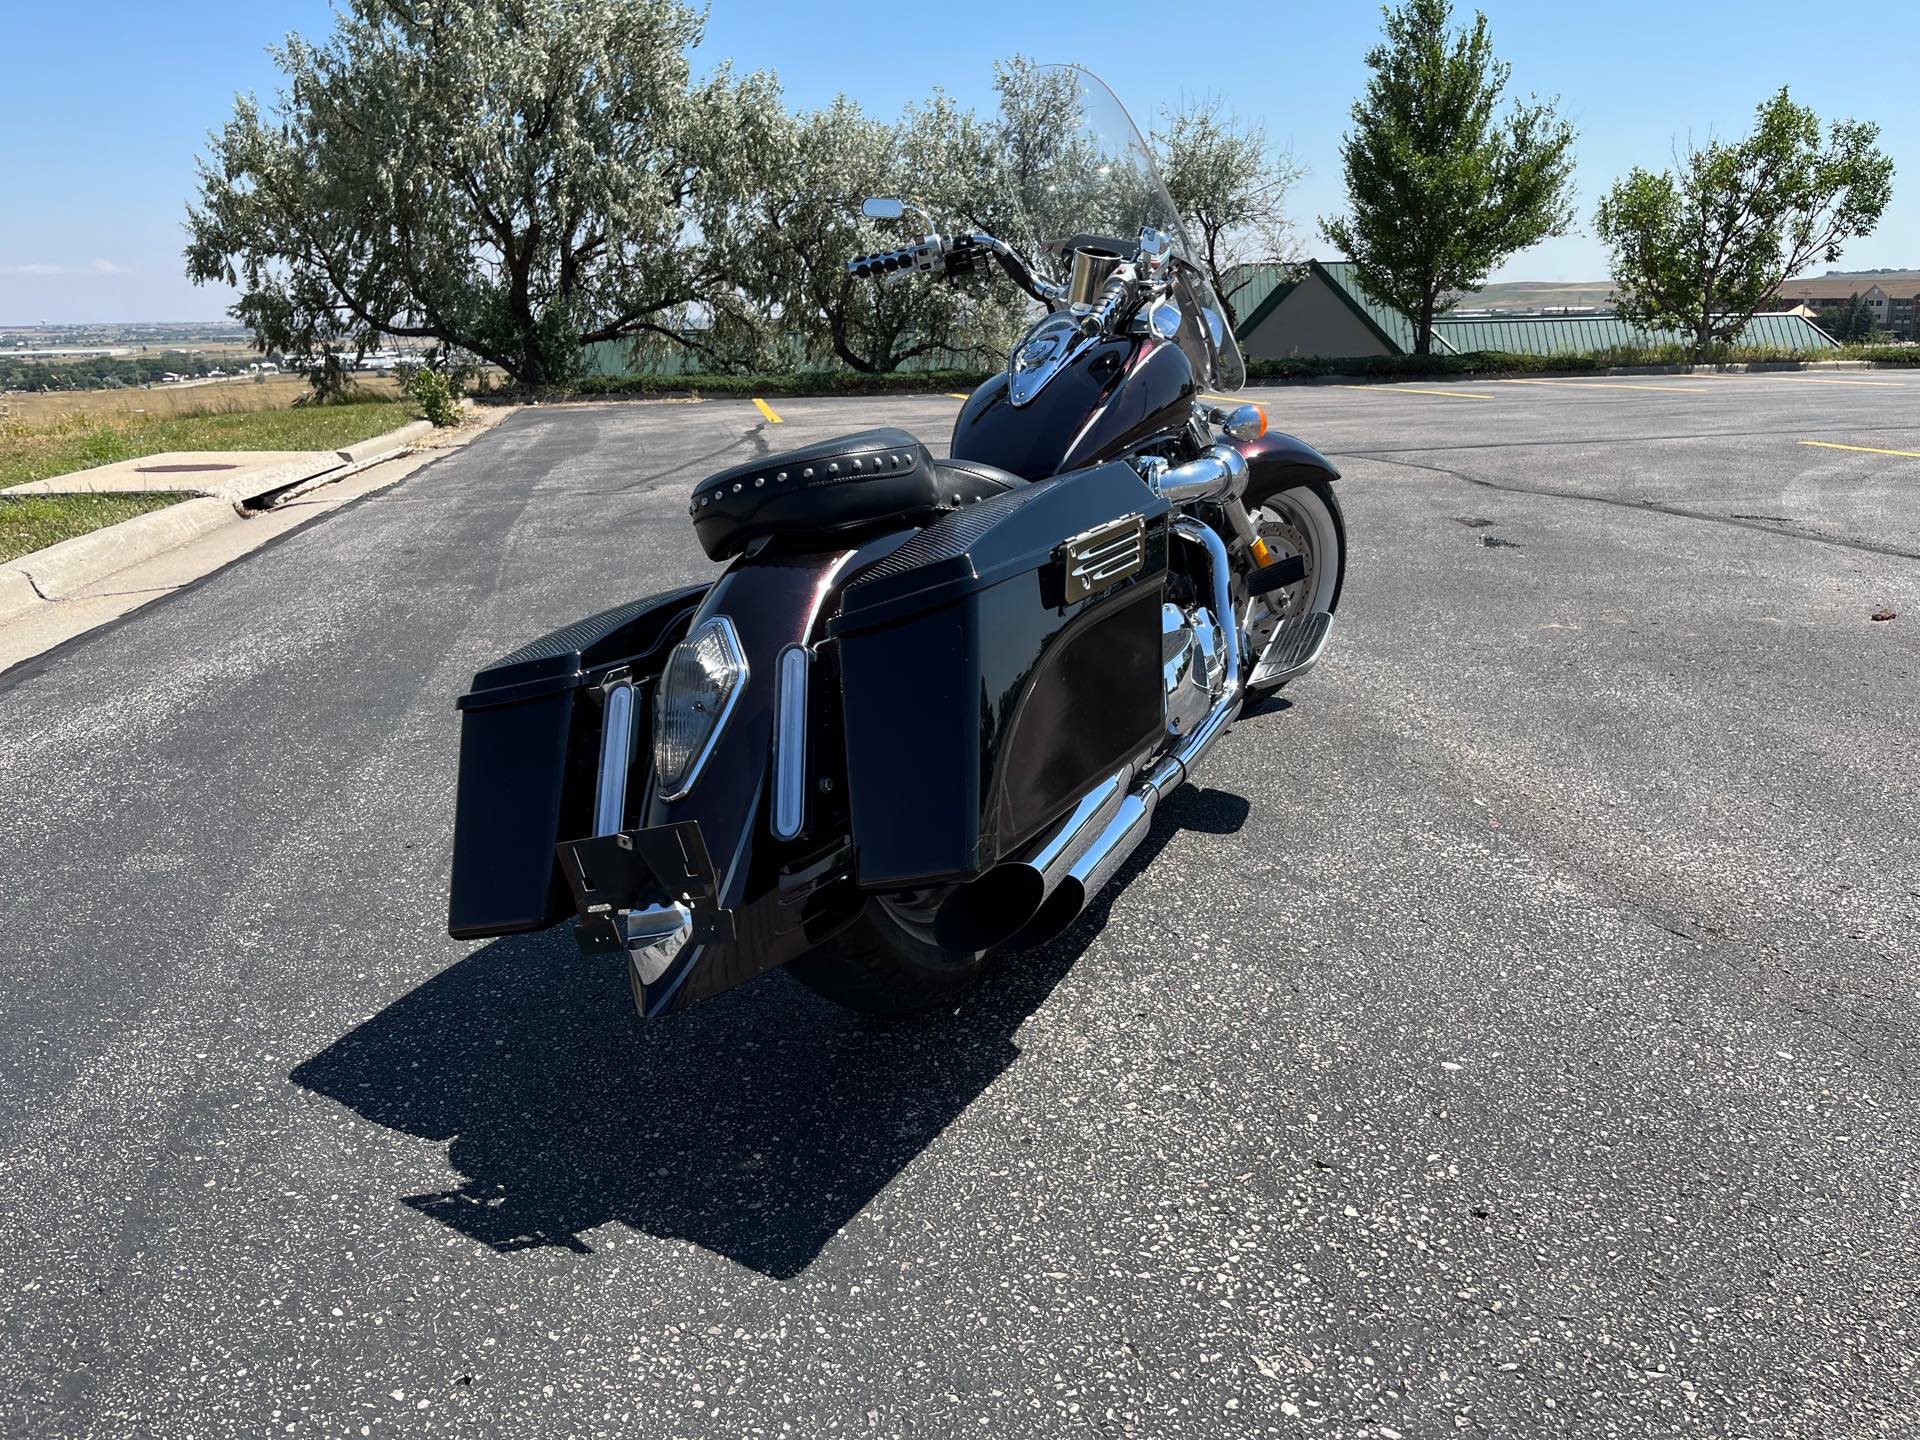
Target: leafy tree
{"type": "Point", "coordinates": [1442, 186]}
{"type": "Point", "coordinates": [937, 155]}
{"type": "Point", "coordinates": [1704, 249]}
{"type": "Point", "coordinates": [1854, 323]}
{"type": "Point", "coordinates": [1036, 195]}
{"type": "Point", "coordinates": [1231, 189]}
{"type": "Point", "coordinates": [514, 177]}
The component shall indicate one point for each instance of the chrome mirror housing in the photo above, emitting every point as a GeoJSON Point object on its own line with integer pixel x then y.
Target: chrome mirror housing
{"type": "Point", "coordinates": [883, 209]}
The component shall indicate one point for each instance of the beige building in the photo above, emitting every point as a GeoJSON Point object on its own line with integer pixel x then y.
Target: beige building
{"type": "Point", "coordinates": [1892, 295]}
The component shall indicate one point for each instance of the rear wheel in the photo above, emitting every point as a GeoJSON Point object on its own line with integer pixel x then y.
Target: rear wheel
{"type": "Point", "coordinates": [886, 961]}
{"type": "Point", "coordinates": [1305, 521]}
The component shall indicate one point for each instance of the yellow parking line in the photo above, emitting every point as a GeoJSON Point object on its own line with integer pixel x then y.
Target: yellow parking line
{"type": "Point", "coordinates": [1826, 380]}
{"type": "Point", "coordinates": [1608, 385]}
{"type": "Point", "coordinates": [1864, 449]}
{"type": "Point", "coordinates": [767, 410]}
{"type": "Point", "coordinates": [1761, 377]}
{"type": "Point", "coordinates": [956, 395]}
{"type": "Point", "coordinates": [1410, 390]}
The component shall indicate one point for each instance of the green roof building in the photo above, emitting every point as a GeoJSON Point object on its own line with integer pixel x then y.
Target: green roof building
{"type": "Point", "coordinates": [1324, 312]}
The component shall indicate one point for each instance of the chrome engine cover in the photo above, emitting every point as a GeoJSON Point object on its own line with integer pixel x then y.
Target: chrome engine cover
{"type": "Point", "coordinates": [1193, 664]}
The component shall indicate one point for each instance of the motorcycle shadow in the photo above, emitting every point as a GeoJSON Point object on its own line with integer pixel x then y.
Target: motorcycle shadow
{"type": "Point", "coordinates": [756, 1125]}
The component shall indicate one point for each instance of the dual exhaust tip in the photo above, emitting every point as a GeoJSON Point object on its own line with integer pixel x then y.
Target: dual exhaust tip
{"type": "Point", "coordinates": [1022, 904]}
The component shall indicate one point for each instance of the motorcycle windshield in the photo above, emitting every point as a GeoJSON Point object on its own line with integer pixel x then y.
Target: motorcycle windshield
{"type": "Point", "coordinates": [1078, 168]}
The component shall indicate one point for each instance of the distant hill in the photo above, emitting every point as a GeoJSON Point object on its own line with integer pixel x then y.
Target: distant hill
{"type": "Point", "coordinates": [1537, 294]}
{"type": "Point", "coordinates": [1546, 294]}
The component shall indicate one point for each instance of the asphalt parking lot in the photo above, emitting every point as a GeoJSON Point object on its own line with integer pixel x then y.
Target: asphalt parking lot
{"type": "Point", "coordinates": [1513, 1034]}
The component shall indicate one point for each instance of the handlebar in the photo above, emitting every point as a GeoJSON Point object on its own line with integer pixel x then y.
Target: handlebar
{"type": "Point", "coordinates": [1113, 299]}
{"type": "Point", "coordinates": [954, 256]}
{"type": "Point", "coordinates": [883, 263]}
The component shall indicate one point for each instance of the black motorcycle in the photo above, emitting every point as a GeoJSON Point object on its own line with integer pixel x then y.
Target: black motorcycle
{"type": "Point", "coordinates": [929, 707]}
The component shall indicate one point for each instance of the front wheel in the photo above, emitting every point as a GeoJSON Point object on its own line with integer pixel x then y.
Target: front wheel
{"type": "Point", "coordinates": [1304, 521]}
{"type": "Point", "coordinates": [886, 961]}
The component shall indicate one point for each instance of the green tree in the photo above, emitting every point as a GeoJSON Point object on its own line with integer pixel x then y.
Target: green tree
{"type": "Point", "coordinates": [937, 155]}
{"type": "Point", "coordinates": [1441, 184]}
{"type": "Point", "coordinates": [514, 177]}
{"type": "Point", "coordinates": [1230, 188]}
{"type": "Point", "coordinates": [1704, 249]}
{"type": "Point", "coordinates": [1854, 323]}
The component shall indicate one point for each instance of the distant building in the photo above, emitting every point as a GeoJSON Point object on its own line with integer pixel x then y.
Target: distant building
{"type": "Point", "coordinates": [1893, 298]}
{"type": "Point", "coordinates": [1324, 312]}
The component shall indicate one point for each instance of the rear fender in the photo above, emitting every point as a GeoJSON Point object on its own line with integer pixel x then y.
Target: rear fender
{"type": "Point", "coordinates": [776, 899]}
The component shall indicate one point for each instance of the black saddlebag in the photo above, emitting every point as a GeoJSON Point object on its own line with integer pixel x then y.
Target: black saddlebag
{"type": "Point", "coordinates": [529, 751]}
{"type": "Point", "coordinates": [994, 668]}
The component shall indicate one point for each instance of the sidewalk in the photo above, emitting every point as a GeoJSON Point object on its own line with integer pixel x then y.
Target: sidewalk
{"type": "Point", "coordinates": [245, 499]}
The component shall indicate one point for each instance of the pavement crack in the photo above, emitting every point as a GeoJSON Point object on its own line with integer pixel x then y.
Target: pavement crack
{"type": "Point", "coordinates": [1644, 506]}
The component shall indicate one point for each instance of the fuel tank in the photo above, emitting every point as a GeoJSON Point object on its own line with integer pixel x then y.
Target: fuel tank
{"type": "Point", "coordinates": [1109, 396]}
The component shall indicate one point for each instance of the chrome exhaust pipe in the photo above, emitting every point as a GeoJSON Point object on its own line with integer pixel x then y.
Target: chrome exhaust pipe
{"type": "Point", "coordinates": [1101, 860]}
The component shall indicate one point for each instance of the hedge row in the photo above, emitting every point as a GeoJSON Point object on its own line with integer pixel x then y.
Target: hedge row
{"type": "Point", "coordinates": [1381, 367]}
{"type": "Point", "coordinates": [1495, 362]}
{"type": "Point", "coordinates": [806, 382]}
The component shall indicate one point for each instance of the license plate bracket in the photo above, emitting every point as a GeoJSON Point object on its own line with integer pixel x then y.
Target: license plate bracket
{"type": "Point", "coordinates": [632, 869]}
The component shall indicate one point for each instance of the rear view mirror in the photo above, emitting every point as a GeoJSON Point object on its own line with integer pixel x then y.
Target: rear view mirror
{"type": "Point", "coordinates": [883, 209]}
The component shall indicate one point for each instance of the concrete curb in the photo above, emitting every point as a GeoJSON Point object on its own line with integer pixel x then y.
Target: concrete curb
{"type": "Point", "coordinates": [59, 570]}
{"type": "Point", "coordinates": [387, 445]}
{"type": "Point", "coordinates": [16, 591]}
{"type": "Point", "coordinates": [52, 574]}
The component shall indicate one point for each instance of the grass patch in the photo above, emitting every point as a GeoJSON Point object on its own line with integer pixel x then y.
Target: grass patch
{"type": "Point", "coordinates": [33, 522]}
{"type": "Point", "coordinates": [35, 452]}
{"type": "Point", "coordinates": [41, 408]}
{"type": "Point", "coordinates": [1882, 354]}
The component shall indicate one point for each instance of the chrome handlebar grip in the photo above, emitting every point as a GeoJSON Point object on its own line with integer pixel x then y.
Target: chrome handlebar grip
{"type": "Point", "coordinates": [920, 258]}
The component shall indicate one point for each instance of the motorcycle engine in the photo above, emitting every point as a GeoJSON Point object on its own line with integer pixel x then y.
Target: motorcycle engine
{"type": "Point", "coordinates": [1193, 664]}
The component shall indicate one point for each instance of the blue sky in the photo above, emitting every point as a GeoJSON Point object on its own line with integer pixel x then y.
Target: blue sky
{"type": "Point", "coordinates": [105, 104]}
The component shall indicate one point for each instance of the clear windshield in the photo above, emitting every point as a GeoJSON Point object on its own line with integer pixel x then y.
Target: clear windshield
{"type": "Point", "coordinates": [1076, 166]}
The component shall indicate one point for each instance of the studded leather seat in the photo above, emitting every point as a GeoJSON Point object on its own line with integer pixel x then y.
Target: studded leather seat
{"type": "Point", "coordinates": [826, 490]}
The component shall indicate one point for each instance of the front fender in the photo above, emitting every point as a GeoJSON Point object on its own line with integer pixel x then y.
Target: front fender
{"type": "Point", "coordinates": [1277, 462]}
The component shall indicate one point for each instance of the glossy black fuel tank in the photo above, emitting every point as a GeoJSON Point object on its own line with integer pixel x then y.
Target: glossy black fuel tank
{"type": "Point", "coordinates": [1109, 397]}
